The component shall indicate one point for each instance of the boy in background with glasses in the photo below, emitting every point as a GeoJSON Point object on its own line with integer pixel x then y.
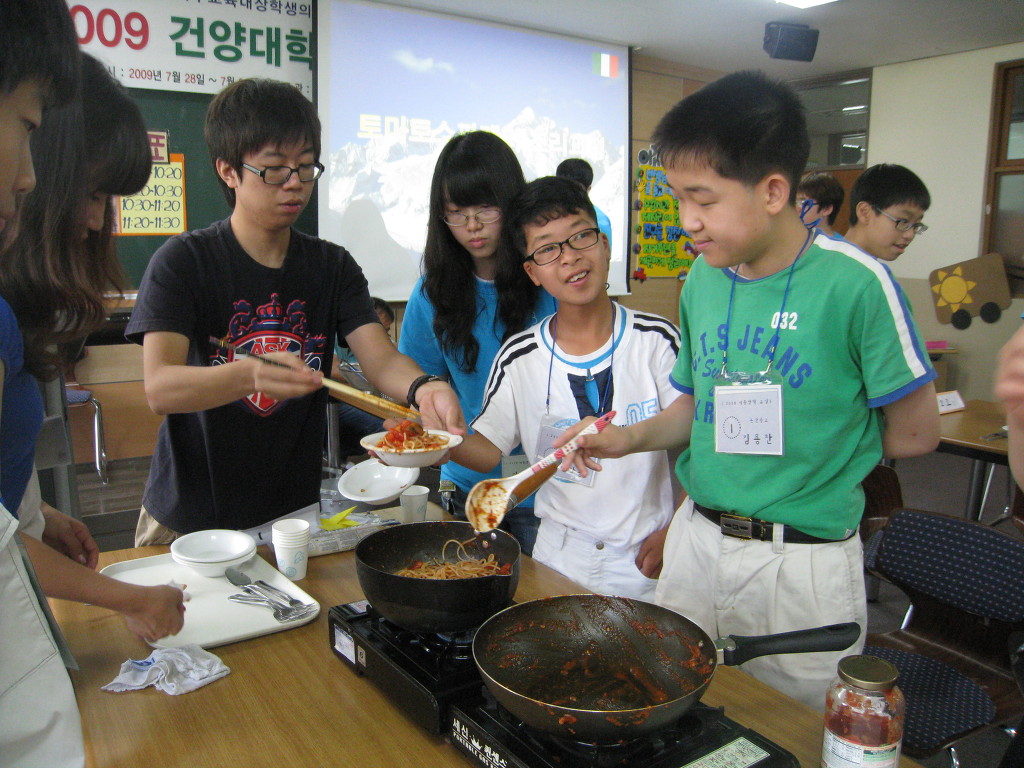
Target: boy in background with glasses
{"type": "Point", "coordinates": [242, 443]}
{"type": "Point", "coordinates": [592, 356]}
{"type": "Point", "coordinates": [887, 204]}
{"type": "Point", "coordinates": [799, 369]}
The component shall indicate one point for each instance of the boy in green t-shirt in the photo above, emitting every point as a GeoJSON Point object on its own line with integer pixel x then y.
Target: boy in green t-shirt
{"type": "Point", "coordinates": [799, 369]}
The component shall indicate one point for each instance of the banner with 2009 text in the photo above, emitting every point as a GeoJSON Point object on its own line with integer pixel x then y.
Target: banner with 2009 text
{"type": "Point", "coordinates": [199, 46]}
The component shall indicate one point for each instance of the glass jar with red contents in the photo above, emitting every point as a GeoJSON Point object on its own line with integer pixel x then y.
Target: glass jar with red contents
{"type": "Point", "coordinates": [863, 715]}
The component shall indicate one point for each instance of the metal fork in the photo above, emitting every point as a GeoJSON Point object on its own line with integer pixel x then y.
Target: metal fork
{"type": "Point", "coordinates": [282, 614]}
{"type": "Point", "coordinates": [280, 594]}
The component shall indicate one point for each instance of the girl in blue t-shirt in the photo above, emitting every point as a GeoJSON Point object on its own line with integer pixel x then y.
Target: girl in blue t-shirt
{"type": "Point", "coordinates": [473, 293]}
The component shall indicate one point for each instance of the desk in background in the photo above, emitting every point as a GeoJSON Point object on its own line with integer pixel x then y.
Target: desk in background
{"type": "Point", "coordinates": [939, 356]}
{"type": "Point", "coordinates": [975, 433]}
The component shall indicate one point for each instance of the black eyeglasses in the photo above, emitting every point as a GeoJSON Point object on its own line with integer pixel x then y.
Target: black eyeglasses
{"type": "Point", "coordinates": [578, 241]}
{"type": "Point", "coordinates": [279, 174]}
{"type": "Point", "coordinates": [904, 225]}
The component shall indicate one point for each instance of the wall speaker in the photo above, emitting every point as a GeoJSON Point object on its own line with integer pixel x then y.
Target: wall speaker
{"type": "Point", "coordinates": [796, 42]}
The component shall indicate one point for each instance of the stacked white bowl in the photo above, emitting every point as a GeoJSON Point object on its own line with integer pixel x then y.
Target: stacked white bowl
{"type": "Point", "coordinates": [210, 553]}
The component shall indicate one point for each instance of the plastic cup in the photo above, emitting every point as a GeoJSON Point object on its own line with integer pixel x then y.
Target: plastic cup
{"type": "Point", "coordinates": [290, 538]}
{"type": "Point", "coordinates": [414, 503]}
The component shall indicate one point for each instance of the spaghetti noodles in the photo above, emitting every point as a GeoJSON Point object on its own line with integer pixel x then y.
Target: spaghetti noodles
{"type": "Point", "coordinates": [410, 436]}
{"type": "Point", "coordinates": [462, 567]}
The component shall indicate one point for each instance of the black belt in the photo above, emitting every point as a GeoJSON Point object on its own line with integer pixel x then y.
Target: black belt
{"type": "Point", "coordinates": [740, 527]}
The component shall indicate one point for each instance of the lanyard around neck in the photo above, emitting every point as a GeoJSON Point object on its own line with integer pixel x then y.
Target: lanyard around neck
{"type": "Point", "coordinates": [785, 296]}
{"type": "Point", "coordinates": [603, 403]}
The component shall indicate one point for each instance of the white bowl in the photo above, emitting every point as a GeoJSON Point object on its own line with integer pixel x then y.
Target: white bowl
{"type": "Point", "coordinates": [214, 569]}
{"type": "Point", "coordinates": [213, 546]}
{"type": "Point", "coordinates": [410, 457]}
{"type": "Point", "coordinates": [373, 482]}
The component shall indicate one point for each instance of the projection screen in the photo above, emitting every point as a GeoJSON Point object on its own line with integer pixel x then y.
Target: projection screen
{"type": "Point", "coordinates": [395, 84]}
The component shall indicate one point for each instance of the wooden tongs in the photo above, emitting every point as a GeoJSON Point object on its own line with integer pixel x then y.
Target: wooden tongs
{"type": "Point", "coordinates": [490, 500]}
{"type": "Point", "coordinates": [364, 401]}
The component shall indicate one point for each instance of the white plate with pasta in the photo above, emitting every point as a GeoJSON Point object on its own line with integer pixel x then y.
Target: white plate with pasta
{"type": "Point", "coordinates": [409, 445]}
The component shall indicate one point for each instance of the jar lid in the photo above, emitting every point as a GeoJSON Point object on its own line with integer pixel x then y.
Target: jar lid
{"type": "Point", "coordinates": [868, 672]}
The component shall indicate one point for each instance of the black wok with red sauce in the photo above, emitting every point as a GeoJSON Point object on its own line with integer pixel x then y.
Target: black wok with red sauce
{"type": "Point", "coordinates": [578, 662]}
{"type": "Point", "coordinates": [434, 605]}
{"type": "Point", "coordinates": [603, 669]}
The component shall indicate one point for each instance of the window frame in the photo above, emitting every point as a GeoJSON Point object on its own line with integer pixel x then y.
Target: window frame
{"type": "Point", "coordinates": [998, 166]}
{"type": "Point", "coordinates": [834, 138]}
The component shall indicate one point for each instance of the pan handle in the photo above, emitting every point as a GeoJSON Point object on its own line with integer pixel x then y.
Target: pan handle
{"type": "Point", "coordinates": [737, 649]}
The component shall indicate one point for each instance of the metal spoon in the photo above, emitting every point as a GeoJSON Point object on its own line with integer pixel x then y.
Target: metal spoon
{"type": "Point", "coordinates": [490, 500]}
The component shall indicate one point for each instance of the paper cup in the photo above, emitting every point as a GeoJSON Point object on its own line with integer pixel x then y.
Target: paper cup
{"type": "Point", "coordinates": [290, 538]}
{"type": "Point", "coordinates": [414, 503]}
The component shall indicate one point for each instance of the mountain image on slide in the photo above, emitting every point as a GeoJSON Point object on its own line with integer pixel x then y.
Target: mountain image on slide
{"type": "Point", "coordinates": [379, 191]}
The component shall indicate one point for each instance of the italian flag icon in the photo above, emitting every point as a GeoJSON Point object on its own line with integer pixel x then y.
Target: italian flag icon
{"type": "Point", "coordinates": [606, 65]}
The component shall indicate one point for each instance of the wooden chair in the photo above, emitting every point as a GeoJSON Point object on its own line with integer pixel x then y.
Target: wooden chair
{"type": "Point", "coordinates": [882, 497]}
{"type": "Point", "coordinates": [965, 582]}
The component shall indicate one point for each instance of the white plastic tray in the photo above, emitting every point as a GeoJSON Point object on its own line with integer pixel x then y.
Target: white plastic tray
{"type": "Point", "coordinates": [210, 618]}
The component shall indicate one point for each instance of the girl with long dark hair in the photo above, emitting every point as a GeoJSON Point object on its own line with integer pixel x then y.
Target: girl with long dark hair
{"type": "Point", "coordinates": [474, 292]}
{"type": "Point", "coordinates": [54, 272]}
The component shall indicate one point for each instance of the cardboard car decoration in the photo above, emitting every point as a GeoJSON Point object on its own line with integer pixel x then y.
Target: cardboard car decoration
{"type": "Point", "coordinates": [973, 288]}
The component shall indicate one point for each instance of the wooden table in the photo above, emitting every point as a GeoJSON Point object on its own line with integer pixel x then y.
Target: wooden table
{"type": "Point", "coordinates": [975, 433]}
{"type": "Point", "coordinates": [290, 701]}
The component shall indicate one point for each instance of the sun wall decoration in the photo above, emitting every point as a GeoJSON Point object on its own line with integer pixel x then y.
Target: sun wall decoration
{"type": "Point", "coordinates": [972, 288]}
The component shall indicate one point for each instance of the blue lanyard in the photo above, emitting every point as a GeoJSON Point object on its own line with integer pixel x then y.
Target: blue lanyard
{"type": "Point", "coordinates": [775, 338]}
{"type": "Point", "coordinates": [805, 206]}
{"type": "Point", "coordinates": [604, 403]}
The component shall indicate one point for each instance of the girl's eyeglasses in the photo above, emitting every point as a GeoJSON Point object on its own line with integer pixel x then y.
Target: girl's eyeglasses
{"type": "Point", "coordinates": [489, 216]}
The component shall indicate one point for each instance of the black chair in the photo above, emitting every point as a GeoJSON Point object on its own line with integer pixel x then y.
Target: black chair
{"type": "Point", "coordinates": [965, 582]}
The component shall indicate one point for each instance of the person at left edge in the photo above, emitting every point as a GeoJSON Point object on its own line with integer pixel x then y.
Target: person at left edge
{"type": "Point", "coordinates": [242, 442]}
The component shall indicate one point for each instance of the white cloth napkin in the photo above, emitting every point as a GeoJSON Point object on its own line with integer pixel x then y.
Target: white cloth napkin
{"type": "Point", "coordinates": [172, 670]}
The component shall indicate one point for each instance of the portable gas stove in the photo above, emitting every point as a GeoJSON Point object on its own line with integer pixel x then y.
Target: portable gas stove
{"type": "Point", "coordinates": [435, 682]}
{"type": "Point", "coordinates": [423, 673]}
{"type": "Point", "coordinates": [702, 738]}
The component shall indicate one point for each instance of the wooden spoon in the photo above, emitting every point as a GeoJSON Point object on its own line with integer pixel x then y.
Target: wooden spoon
{"type": "Point", "coordinates": [490, 500]}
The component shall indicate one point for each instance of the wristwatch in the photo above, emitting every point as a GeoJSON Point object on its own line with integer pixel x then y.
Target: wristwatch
{"type": "Point", "coordinates": [418, 382]}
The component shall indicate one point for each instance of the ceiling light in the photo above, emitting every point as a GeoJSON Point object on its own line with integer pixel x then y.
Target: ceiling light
{"type": "Point", "coordinates": [851, 109]}
{"type": "Point", "coordinates": [804, 3]}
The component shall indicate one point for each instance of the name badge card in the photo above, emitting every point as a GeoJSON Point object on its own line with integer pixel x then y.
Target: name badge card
{"type": "Point", "coordinates": [550, 429]}
{"type": "Point", "coordinates": [514, 464]}
{"type": "Point", "coordinates": [748, 419]}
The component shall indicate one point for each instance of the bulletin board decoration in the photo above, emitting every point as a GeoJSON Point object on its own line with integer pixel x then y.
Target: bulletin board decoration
{"type": "Point", "coordinates": [159, 208]}
{"type": "Point", "coordinates": [974, 288]}
{"type": "Point", "coordinates": [661, 246]}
